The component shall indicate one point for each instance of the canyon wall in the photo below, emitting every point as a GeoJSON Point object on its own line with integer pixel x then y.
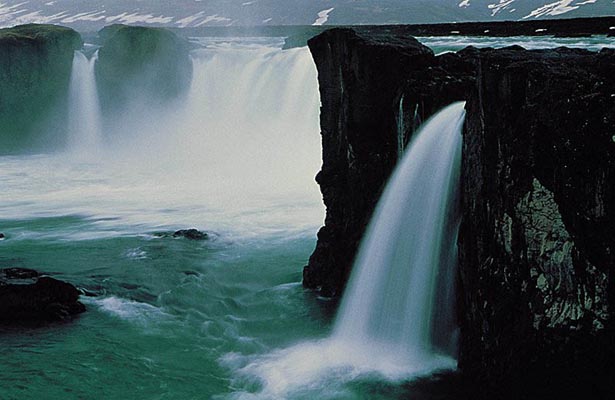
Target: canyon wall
{"type": "Point", "coordinates": [536, 243]}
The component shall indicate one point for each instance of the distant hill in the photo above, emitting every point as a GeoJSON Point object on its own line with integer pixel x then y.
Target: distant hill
{"type": "Point", "coordinates": [91, 14]}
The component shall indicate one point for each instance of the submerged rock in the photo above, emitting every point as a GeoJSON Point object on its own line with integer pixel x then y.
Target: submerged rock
{"type": "Point", "coordinates": [35, 69]}
{"type": "Point", "coordinates": [26, 296]}
{"type": "Point", "coordinates": [192, 234]}
{"type": "Point", "coordinates": [152, 65]}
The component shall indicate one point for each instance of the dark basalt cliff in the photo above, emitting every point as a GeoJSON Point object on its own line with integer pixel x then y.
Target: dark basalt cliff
{"type": "Point", "coordinates": [537, 242]}
{"type": "Point", "coordinates": [35, 68]}
{"type": "Point", "coordinates": [375, 92]}
{"type": "Point", "coordinates": [151, 65]}
{"type": "Point", "coordinates": [537, 282]}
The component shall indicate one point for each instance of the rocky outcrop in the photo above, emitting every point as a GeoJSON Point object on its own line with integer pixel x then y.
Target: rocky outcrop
{"type": "Point", "coordinates": [537, 243]}
{"type": "Point", "coordinates": [375, 91]}
{"type": "Point", "coordinates": [191, 234]}
{"type": "Point", "coordinates": [537, 280]}
{"type": "Point", "coordinates": [27, 297]}
{"type": "Point", "coordinates": [35, 69]}
{"type": "Point", "coordinates": [152, 65]}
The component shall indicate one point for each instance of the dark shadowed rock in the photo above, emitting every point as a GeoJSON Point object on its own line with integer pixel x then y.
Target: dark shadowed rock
{"type": "Point", "coordinates": [192, 234]}
{"type": "Point", "coordinates": [29, 297]}
{"type": "Point", "coordinates": [537, 243]}
{"type": "Point", "coordinates": [35, 68]}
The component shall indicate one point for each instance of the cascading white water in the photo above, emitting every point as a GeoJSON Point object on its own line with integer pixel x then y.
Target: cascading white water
{"type": "Point", "coordinates": [85, 130]}
{"type": "Point", "coordinates": [397, 315]}
{"type": "Point", "coordinates": [393, 295]}
{"type": "Point", "coordinates": [237, 154]}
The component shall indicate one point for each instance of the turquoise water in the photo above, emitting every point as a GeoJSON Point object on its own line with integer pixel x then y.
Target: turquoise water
{"type": "Point", "coordinates": [165, 315]}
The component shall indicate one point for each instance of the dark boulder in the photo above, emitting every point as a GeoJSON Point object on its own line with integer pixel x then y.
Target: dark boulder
{"type": "Point", "coordinates": [35, 69]}
{"type": "Point", "coordinates": [28, 297]}
{"type": "Point", "coordinates": [152, 65]}
{"type": "Point", "coordinates": [191, 234]}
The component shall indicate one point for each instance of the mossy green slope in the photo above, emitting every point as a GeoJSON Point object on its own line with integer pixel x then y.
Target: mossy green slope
{"type": "Point", "coordinates": [35, 67]}
{"type": "Point", "coordinates": [151, 62]}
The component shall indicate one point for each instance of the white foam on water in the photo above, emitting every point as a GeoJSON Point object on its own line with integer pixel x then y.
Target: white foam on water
{"type": "Point", "coordinates": [129, 310]}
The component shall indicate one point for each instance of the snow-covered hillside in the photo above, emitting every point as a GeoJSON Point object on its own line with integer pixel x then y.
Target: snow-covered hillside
{"type": "Point", "coordinates": [185, 13]}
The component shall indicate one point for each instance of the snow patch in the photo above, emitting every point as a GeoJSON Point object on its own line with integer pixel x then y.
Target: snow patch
{"type": "Point", "coordinates": [553, 9]}
{"type": "Point", "coordinates": [86, 16]}
{"type": "Point", "coordinates": [189, 20]}
{"type": "Point", "coordinates": [213, 18]}
{"type": "Point", "coordinates": [499, 7]}
{"type": "Point", "coordinates": [323, 17]}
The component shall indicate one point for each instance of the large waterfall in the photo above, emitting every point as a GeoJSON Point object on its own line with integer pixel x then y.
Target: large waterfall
{"type": "Point", "coordinates": [85, 130]}
{"type": "Point", "coordinates": [241, 146]}
{"type": "Point", "coordinates": [397, 316]}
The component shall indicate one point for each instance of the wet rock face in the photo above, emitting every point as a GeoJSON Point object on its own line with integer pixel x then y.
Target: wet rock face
{"type": "Point", "coordinates": [28, 297]}
{"type": "Point", "coordinates": [536, 244]}
{"type": "Point", "coordinates": [35, 68]}
{"type": "Point", "coordinates": [536, 249]}
{"type": "Point", "coordinates": [152, 65]}
{"type": "Point", "coordinates": [374, 96]}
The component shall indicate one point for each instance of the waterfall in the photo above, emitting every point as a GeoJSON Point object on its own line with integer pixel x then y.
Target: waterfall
{"type": "Point", "coordinates": [84, 117]}
{"type": "Point", "coordinates": [396, 288]}
{"type": "Point", "coordinates": [397, 315]}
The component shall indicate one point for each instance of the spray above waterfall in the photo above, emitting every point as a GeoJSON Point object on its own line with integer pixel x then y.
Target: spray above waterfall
{"type": "Point", "coordinates": [397, 315]}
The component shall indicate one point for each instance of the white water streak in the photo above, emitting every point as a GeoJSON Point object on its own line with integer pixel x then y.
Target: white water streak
{"type": "Point", "coordinates": [85, 131]}
{"type": "Point", "coordinates": [397, 317]}
{"type": "Point", "coordinates": [393, 293]}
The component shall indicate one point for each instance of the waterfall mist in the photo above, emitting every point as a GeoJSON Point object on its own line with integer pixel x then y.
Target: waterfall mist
{"type": "Point", "coordinates": [238, 152]}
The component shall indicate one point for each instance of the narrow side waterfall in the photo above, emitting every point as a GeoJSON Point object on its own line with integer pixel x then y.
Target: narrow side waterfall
{"type": "Point", "coordinates": [85, 120]}
{"type": "Point", "coordinates": [401, 129]}
{"type": "Point", "coordinates": [397, 316]}
{"type": "Point", "coordinates": [395, 291]}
